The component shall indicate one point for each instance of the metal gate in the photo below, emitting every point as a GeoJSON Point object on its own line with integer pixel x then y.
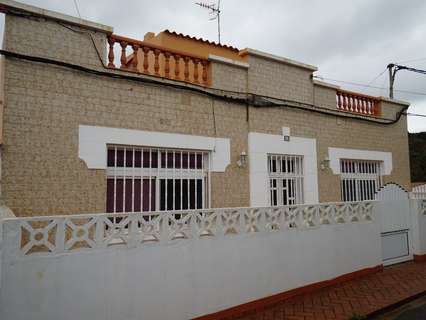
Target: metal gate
{"type": "Point", "coordinates": [393, 208]}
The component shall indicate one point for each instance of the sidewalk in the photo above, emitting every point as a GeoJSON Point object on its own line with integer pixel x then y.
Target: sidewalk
{"type": "Point", "coordinates": [361, 296]}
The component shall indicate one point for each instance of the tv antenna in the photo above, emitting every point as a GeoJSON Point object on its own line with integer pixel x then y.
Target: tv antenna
{"type": "Point", "coordinates": [215, 11]}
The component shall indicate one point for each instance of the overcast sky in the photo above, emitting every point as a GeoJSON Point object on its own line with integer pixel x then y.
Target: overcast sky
{"type": "Point", "coordinates": [348, 40]}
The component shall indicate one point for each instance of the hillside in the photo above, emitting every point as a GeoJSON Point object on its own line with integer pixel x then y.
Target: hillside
{"type": "Point", "coordinates": [417, 142]}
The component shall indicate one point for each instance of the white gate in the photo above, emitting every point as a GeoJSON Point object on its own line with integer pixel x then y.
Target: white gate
{"type": "Point", "coordinates": [393, 208]}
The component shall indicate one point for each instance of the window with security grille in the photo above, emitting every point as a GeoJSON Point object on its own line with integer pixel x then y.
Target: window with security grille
{"type": "Point", "coordinates": [285, 179]}
{"type": "Point", "coordinates": [152, 179]}
{"type": "Point", "coordinates": [360, 179]}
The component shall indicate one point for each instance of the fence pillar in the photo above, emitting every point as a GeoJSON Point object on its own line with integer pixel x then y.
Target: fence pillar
{"type": "Point", "coordinates": [418, 224]}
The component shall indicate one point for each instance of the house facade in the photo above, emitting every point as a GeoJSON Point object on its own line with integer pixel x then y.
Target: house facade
{"type": "Point", "coordinates": [95, 122]}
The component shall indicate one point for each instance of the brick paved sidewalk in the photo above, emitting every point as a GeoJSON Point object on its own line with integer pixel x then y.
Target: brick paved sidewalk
{"type": "Point", "coordinates": [361, 296]}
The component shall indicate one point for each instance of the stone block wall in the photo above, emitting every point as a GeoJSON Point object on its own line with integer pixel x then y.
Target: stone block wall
{"type": "Point", "coordinates": [45, 104]}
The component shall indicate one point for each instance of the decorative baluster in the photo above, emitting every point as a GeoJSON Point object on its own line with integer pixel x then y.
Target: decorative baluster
{"type": "Point", "coordinates": [135, 48]}
{"type": "Point", "coordinates": [356, 104]}
{"type": "Point", "coordinates": [177, 70]}
{"type": "Point", "coordinates": [350, 105]}
{"type": "Point", "coordinates": [111, 43]}
{"type": "Point", "coordinates": [186, 69]}
{"type": "Point", "coordinates": [204, 75]}
{"type": "Point", "coordinates": [196, 62]}
{"type": "Point", "coordinates": [145, 59]}
{"type": "Point", "coordinates": [365, 105]}
{"type": "Point", "coordinates": [156, 63]}
{"type": "Point", "coordinates": [339, 100]}
{"type": "Point", "coordinates": [123, 59]}
{"type": "Point", "coordinates": [345, 104]}
{"type": "Point", "coordinates": [167, 64]}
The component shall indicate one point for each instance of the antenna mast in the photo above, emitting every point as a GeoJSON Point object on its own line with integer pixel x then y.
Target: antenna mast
{"type": "Point", "coordinates": [214, 11]}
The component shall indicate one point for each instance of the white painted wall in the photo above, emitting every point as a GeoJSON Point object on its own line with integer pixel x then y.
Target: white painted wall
{"type": "Point", "coordinates": [418, 222]}
{"type": "Point", "coordinates": [260, 145]}
{"type": "Point", "coordinates": [180, 279]}
{"type": "Point", "coordinates": [93, 140]}
{"type": "Point", "coordinates": [335, 154]}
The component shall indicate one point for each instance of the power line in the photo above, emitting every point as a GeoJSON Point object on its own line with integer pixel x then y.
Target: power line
{"type": "Point", "coordinates": [401, 67]}
{"type": "Point", "coordinates": [245, 98]}
{"type": "Point", "coordinates": [416, 115]}
{"type": "Point", "coordinates": [393, 69]}
{"type": "Point", "coordinates": [76, 8]}
{"type": "Point", "coordinates": [377, 77]}
{"type": "Point", "coordinates": [412, 60]}
{"type": "Point", "coordinates": [370, 86]}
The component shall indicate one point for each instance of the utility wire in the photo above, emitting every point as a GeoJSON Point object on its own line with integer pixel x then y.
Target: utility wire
{"type": "Point", "coordinates": [377, 77]}
{"type": "Point", "coordinates": [76, 8]}
{"type": "Point", "coordinates": [416, 114]}
{"type": "Point", "coordinates": [245, 98]}
{"type": "Point", "coordinates": [370, 86]}
{"type": "Point", "coordinates": [401, 67]}
{"type": "Point", "coordinates": [393, 69]}
{"type": "Point", "coordinates": [413, 60]}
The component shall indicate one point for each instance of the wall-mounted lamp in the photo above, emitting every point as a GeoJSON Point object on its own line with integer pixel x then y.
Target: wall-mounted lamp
{"type": "Point", "coordinates": [242, 161]}
{"type": "Point", "coordinates": [325, 164]}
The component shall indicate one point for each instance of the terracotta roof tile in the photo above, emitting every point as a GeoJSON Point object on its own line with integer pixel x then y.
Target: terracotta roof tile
{"type": "Point", "coordinates": [200, 39]}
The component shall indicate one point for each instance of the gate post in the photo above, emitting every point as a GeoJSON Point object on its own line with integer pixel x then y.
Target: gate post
{"type": "Point", "coordinates": [418, 223]}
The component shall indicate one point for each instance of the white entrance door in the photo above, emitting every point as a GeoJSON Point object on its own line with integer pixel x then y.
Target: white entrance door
{"type": "Point", "coordinates": [394, 210]}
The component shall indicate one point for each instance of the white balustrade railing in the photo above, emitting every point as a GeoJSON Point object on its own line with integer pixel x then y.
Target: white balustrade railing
{"type": "Point", "coordinates": [60, 234]}
{"type": "Point", "coordinates": [418, 195]}
{"type": "Point", "coordinates": [418, 192]}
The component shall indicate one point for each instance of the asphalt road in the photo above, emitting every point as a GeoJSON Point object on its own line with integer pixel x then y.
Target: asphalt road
{"type": "Point", "coordinates": [414, 310]}
{"type": "Point", "coordinates": [418, 313]}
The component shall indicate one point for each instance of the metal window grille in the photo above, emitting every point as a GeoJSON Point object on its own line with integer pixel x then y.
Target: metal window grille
{"type": "Point", "coordinates": [152, 179]}
{"type": "Point", "coordinates": [285, 179]}
{"type": "Point", "coordinates": [360, 179]}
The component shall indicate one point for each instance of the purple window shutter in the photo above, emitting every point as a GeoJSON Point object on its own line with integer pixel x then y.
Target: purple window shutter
{"type": "Point", "coordinates": [128, 200]}
{"type": "Point", "coordinates": [137, 207]}
{"type": "Point", "coordinates": [110, 196]}
{"type": "Point", "coordinates": [119, 195]}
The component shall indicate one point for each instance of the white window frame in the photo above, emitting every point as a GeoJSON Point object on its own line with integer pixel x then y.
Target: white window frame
{"type": "Point", "coordinates": [262, 144]}
{"type": "Point", "coordinates": [286, 179]}
{"type": "Point", "coordinates": [360, 179]}
{"type": "Point", "coordinates": [165, 170]}
{"type": "Point", "coordinates": [93, 141]}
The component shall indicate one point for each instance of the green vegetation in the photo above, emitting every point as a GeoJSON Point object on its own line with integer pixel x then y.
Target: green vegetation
{"type": "Point", "coordinates": [417, 143]}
